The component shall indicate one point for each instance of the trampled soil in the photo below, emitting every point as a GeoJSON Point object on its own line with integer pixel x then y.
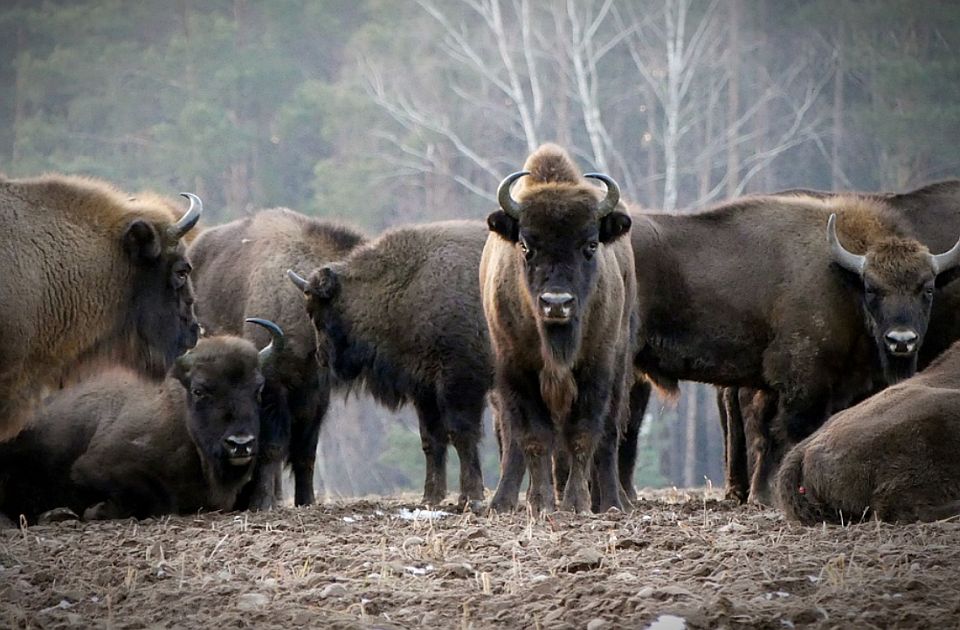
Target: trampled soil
{"type": "Point", "coordinates": [358, 564]}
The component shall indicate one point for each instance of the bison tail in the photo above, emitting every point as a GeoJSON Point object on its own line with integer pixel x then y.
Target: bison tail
{"type": "Point", "coordinates": [792, 496]}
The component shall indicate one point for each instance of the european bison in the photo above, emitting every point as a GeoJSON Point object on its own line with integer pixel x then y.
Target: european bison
{"type": "Point", "coordinates": [932, 213]}
{"type": "Point", "coordinates": [90, 275]}
{"type": "Point", "coordinates": [763, 293]}
{"type": "Point", "coordinates": [401, 316]}
{"type": "Point", "coordinates": [119, 445]}
{"type": "Point", "coordinates": [893, 456]}
{"type": "Point", "coordinates": [240, 271]}
{"type": "Point", "coordinates": [558, 293]}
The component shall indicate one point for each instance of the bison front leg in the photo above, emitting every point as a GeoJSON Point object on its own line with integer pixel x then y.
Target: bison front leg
{"type": "Point", "coordinates": [627, 447]}
{"type": "Point", "coordinates": [794, 420]}
{"type": "Point", "coordinates": [539, 454]}
{"type": "Point", "coordinates": [466, 441]}
{"type": "Point", "coordinates": [734, 444]}
{"type": "Point", "coordinates": [308, 408]}
{"type": "Point", "coordinates": [434, 440]}
{"type": "Point", "coordinates": [512, 465]}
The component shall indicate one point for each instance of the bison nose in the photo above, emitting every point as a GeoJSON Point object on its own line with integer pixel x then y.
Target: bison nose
{"type": "Point", "coordinates": [556, 306]}
{"type": "Point", "coordinates": [239, 447]}
{"type": "Point", "coordinates": [902, 341]}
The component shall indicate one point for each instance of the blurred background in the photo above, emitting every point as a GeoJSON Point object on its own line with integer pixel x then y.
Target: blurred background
{"type": "Point", "coordinates": [380, 113]}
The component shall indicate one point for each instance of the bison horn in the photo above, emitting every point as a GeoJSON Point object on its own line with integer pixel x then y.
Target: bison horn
{"type": "Point", "coordinates": [609, 203]}
{"type": "Point", "coordinates": [947, 260]}
{"type": "Point", "coordinates": [298, 280]}
{"type": "Point", "coordinates": [508, 203]}
{"type": "Point", "coordinates": [843, 257]}
{"type": "Point", "coordinates": [275, 347]}
{"type": "Point", "coordinates": [190, 217]}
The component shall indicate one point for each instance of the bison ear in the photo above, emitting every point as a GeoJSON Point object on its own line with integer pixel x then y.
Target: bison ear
{"type": "Point", "coordinates": [324, 284]}
{"type": "Point", "coordinates": [504, 225]}
{"type": "Point", "coordinates": [141, 242]}
{"type": "Point", "coordinates": [614, 225]}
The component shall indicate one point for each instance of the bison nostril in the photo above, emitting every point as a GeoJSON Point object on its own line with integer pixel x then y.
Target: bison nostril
{"type": "Point", "coordinates": [563, 300]}
{"type": "Point", "coordinates": [901, 341]}
{"type": "Point", "coordinates": [239, 444]}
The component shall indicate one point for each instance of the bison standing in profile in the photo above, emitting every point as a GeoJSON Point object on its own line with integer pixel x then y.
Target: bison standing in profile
{"type": "Point", "coordinates": [118, 445]}
{"type": "Point", "coordinates": [401, 315]}
{"type": "Point", "coordinates": [558, 292]}
{"type": "Point", "coordinates": [89, 275]}
{"type": "Point", "coordinates": [773, 293]}
{"type": "Point", "coordinates": [893, 456]}
{"type": "Point", "coordinates": [240, 271]}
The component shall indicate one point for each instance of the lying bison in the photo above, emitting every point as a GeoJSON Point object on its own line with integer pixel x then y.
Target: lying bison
{"type": "Point", "coordinates": [401, 315]}
{"type": "Point", "coordinates": [893, 456]}
{"type": "Point", "coordinates": [930, 213]}
{"type": "Point", "coordinates": [558, 293]}
{"type": "Point", "coordinates": [240, 271]}
{"type": "Point", "coordinates": [770, 293]}
{"type": "Point", "coordinates": [117, 445]}
{"type": "Point", "coordinates": [90, 274]}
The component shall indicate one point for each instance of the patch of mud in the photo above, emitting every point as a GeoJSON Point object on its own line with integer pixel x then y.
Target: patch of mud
{"type": "Point", "coordinates": [679, 559]}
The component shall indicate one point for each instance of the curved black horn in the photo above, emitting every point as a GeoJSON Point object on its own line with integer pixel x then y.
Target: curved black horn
{"type": "Point", "coordinates": [277, 340]}
{"type": "Point", "coordinates": [299, 281]}
{"type": "Point", "coordinates": [609, 203]}
{"type": "Point", "coordinates": [947, 260]}
{"type": "Point", "coordinates": [190, 217]}
{"type": "Point", "coordinates": [507, 203]}
{"type": "Point", "coordinates": [843, 257]}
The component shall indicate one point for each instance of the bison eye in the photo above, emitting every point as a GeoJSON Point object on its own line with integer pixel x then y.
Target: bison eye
{"type": "Point", "coordinates": [527, 252]}
{"type": "Point", "coordinates": [589, 250]}
{"type": "Point", "coordinates": [198, 392]}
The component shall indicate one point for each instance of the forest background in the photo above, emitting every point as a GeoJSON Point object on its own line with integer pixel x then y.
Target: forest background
{"type": "Point", "coordinates": [379, 113]}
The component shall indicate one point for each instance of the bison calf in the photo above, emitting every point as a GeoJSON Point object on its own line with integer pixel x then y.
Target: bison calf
{"type": "Point", "coordinates": [118, 445]}
{"type": "Point", "coordinates": [89, 274]}
{"type": "Point", "coordinates": [558, 291]}
{"type": "Point", "coordinates": [402, 316]}
{"type": "Point", "coordinates": [893, 456]}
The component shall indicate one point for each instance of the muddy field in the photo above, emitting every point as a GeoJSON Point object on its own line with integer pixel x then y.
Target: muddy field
{"type": "Point", "coordinates": [680, 560]}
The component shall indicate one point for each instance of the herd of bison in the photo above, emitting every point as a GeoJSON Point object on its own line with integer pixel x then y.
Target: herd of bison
{"type": "Point", "coordinates": [151, 367]}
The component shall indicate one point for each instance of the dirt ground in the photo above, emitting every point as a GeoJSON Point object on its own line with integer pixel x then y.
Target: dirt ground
{"type": "Point", "coordinates": [682, 559]}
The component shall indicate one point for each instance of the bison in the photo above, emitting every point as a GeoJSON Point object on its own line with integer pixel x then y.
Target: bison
{"type": "Point", "coordinates": [118, 445]}
{"type": "Point", "coordinates": [239, 271]}
{"type": "Point", "coordinates": [932, 213]}
{"type": "Point", "coordinates": [752, 294]}
{"type": "Point", "coordinates": [558, 291]}
{"type": "Point", "coordinates": [91, 275]}
{"type": "Point", "coordinates": [401, 316]}
{"type": "Point", "coordinates": [893, 456]}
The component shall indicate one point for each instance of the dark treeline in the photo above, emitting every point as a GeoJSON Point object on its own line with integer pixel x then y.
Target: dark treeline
{"type": "Point", "coordinates": [382, 113]}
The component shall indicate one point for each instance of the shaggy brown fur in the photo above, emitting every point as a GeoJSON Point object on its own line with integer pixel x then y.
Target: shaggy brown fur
{"type": "Point", "coordinates": [561, 388]}
{"type": "Point", "coordinates": [932, 214]}
{"type": "Point", "coordinates": [240, 271]}
{"type": "Point", "coordinates": [118, 445]}
{"type": "Point", "coordinates": [91, 276]}
{"type": "Point", "coordinates": [401, 317]}
{"type": "Point", "coordinates": [893, 456]}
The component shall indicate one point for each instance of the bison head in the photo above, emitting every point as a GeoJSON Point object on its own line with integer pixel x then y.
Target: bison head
{"type": "Point", "coordinates": [223, 378]}
{"type": "Point", "coordinates": [897, 278]}
{"type": "Point", "coordinates": [558, 229]}
{"type": "Point", "coordinates": [164, 324]}
{"type": "Point", "coordinates": [335, 347]}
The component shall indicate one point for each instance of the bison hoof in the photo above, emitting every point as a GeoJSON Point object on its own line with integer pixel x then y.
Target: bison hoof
{"type": "Point", "coordinates": [57, 515]}
{"type": "Point", "coordinates": [476, 506]}
{"type": "Point", "coordinates": [6, 523]}
{"type": "Point", "coordinates": [262, 503]}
